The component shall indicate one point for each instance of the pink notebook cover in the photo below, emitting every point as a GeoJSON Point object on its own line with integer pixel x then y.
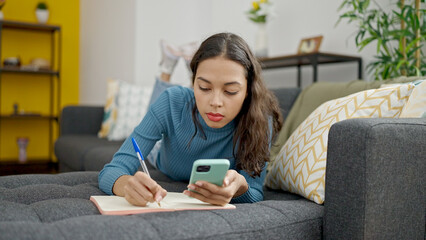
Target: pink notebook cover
{"type": "Point", "coordinates": [115, 205]}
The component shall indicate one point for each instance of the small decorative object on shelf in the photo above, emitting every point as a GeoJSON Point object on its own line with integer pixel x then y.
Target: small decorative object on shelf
{"type": "Point", "coordinates": [15, 109]}
{"type": "Point", "coordinates": [42, 13]}
{"type": "Point", "coordinates": [260, 12]}
{"type": "Point", "coordinates": [22, 144]}
{"type": "Point", "coordinates": [37, 64]}
{"type": "Point", "coordinates": [12, 62]}
{"type": "Point", "coordinates": [310, 45]}
{"type": "Point", "coordinates": [2, 3]}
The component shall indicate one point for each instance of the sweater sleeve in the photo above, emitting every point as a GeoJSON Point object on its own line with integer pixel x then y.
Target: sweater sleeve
{"type": "Point", "coordinates": [255, 189]}
{"type": "Point", "coordinates": [157, 121]}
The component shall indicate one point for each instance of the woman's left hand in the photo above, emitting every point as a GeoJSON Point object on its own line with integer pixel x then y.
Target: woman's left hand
{"type": "Point", "coordinates": [234, 185]}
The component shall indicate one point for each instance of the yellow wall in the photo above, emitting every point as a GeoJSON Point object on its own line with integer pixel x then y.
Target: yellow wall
{"type": "Point", "coordinates": [29, 91]}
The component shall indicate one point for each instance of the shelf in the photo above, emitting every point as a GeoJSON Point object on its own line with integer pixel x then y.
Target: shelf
{"type": "Point", "coordinates": [32, 166]}
{"type": "Point", "coordinates": [305, 59]}
{"type": "Point", "coordinates": [48, 117]}
{"type": "Point", "coordinates": [29, 26]}
{"type": "Point", "coordinates": [26, 119]}
{"type": "Point", "coordinates": [18, 70]}
{"type": "Point", "coordinates": [314, 59]}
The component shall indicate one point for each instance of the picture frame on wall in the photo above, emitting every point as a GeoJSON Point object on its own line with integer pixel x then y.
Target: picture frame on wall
{"type": "Point", "coordinates": [310, 45]}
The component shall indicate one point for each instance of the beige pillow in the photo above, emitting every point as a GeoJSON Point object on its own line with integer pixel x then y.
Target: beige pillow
{"type": "Point", "coordinates": [300, 165]}
{"type": "Point", "coordinates": [416, 104]}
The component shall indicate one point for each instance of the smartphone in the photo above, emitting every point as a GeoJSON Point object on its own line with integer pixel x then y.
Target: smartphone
{"type": "Point", "coordinates": [209, 170]}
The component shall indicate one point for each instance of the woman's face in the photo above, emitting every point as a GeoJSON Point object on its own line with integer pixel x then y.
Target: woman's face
{"type": "Point", "coordinates": [220, 88]}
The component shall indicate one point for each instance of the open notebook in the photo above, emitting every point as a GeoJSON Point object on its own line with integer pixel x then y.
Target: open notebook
{"type": "Point", "coordinates": [174, 201]}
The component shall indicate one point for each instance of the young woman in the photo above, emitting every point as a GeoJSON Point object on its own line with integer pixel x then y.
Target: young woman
{"type": "Point", "coordinates": [229, 114]}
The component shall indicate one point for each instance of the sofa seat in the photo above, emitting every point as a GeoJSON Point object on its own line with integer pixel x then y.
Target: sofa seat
{"type": "Point", "coordinates": [58, 207]}
{"type": "Point", "coordinates": [84, 152]}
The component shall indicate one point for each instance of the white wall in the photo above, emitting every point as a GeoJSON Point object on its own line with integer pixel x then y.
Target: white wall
{"type": "Point", "coordinates": [107, 39]}
{"type": "Point", "coordinates": [127, 46]}
{"type": "Point", "coordinates": [178, 22]}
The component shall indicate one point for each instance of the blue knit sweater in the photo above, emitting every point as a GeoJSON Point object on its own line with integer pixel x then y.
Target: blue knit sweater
{"type": "Point", "coordinates": [170, 119]}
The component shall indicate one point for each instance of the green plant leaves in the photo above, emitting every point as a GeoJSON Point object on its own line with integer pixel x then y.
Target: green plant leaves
{"type": "Point", "coordinates": [377, 26]}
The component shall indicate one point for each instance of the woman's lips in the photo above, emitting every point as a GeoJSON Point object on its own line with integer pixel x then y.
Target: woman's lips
{"type": "Point", "coordinates": [215, 117]}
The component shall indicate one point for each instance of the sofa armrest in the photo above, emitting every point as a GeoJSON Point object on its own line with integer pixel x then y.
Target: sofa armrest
{"type": "Point", "coordinates": [375, 179]}
{"type": "Point", "coordinates": [81, 120]}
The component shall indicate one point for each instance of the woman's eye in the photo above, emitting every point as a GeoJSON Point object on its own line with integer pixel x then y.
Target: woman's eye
{"type": "Point", "coordinates": [203, 89]}
{"type": "Point", "coordinates": [231, 93]}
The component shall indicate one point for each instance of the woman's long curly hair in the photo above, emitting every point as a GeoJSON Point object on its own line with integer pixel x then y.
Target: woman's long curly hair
{"type": "Point", "coordinates": [252, 133]}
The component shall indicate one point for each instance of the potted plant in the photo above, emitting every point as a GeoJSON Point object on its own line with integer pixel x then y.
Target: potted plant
{"type": "Point", "coordinates": [42, 12]}
{"type": "Point", "coordinates": [399, 34]}
{"type": "Point", "coordinates": [259, 13]}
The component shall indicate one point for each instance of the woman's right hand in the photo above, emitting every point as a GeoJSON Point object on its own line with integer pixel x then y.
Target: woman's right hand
{"type": "Point", "coordinates": [139, 189]}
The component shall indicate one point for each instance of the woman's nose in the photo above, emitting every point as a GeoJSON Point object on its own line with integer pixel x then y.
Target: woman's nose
{"type": "Point", "coordinates": [216, 100]}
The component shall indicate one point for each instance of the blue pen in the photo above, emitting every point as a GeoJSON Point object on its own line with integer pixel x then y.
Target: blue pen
{"type": "Point", "coordinates": [141, 160]}
{"type": "Point", "coordinates": [140, 156]}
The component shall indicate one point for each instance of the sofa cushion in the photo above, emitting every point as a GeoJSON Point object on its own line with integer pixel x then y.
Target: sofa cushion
{"type": "Point", "coordinates": [300, 165]}
{"type": "Point", "coordinates": [58, 207]}
{"type": "Point", "coordinates": [72, 150]}
{"type": "Point", "coordinates": [286, 98]}
{"type": "Point", "coordinates": [316, 94]}
{"type": "Point", "coordinates": [96, 158]}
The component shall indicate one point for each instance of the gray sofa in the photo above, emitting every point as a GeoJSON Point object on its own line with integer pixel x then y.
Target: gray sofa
{"type": "Point", "coordinates": [375, 190]}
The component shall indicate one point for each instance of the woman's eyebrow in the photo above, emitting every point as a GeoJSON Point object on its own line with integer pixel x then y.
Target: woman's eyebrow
{"type": "Point", "coordinates": [204, 80]}
{"type": "Point", "coordinates": [232, 83]}
{"type": "Point", "coordinates": [226, 84]}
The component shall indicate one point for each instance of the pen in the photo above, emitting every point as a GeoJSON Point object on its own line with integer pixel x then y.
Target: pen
{"type": "Point", "coordinates": [140, 157]}
{"type": "Point", "coordinates": [141, 160]}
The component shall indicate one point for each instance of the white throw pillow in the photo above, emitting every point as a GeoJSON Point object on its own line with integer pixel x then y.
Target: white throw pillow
{"type": "Point", "coordinates": [132, 104]}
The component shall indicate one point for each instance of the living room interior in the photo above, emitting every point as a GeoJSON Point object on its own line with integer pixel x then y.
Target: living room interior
{"type": "Point", "coordinates": [59, 75]}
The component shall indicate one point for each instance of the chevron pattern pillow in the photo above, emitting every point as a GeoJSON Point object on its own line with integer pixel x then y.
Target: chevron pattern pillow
{"type": "Point", "coordinates": [300, 165]}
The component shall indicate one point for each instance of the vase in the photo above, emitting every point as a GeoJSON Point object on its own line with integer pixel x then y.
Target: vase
{"type": "Point", "coordinates": [261, 41]}
{"type": "Point", "coordinates": [1, 15]}
{"type": "Point", "coordinates": [22, 145]}
{"type": "Point", "coordinates": [42, 15]}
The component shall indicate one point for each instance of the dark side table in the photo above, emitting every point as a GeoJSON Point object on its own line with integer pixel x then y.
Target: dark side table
{"type": "Point", "coordinates": [313, 59]}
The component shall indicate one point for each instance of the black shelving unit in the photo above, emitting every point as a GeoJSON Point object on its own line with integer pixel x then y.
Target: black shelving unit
{"type": "Point", "coordinates": [314, 59]}
{"type": "Point", "coordinates": [55, 94]}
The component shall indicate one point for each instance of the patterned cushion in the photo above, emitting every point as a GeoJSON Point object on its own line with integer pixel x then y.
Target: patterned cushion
{"type": "Point", "coordinates": [110, 108]}
{"type": "Point", "coordinates": [416, 104]}
{"type": "Point", "coordinates": [300, 165]}
{"type": "Point", "coordinates": [132, 104]}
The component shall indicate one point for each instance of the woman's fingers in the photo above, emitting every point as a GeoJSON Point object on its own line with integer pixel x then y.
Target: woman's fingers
{"type": "Point", "coordinates": [211, 193]}
{"type": "Point", "coordinates": [141, 189]}
{"type": "Point", "coordinates": [229, 177]}
{"type": "Point", "coordinates": [217, 200]}
{"type": "Point", "coordinates": [139, 184]}
{"type": "Point", "coordinates": [208, 192]}
{"type": "Point", "coordinates": [134, 198]}
{"type": "Point", "coordinates": [160, 195]}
